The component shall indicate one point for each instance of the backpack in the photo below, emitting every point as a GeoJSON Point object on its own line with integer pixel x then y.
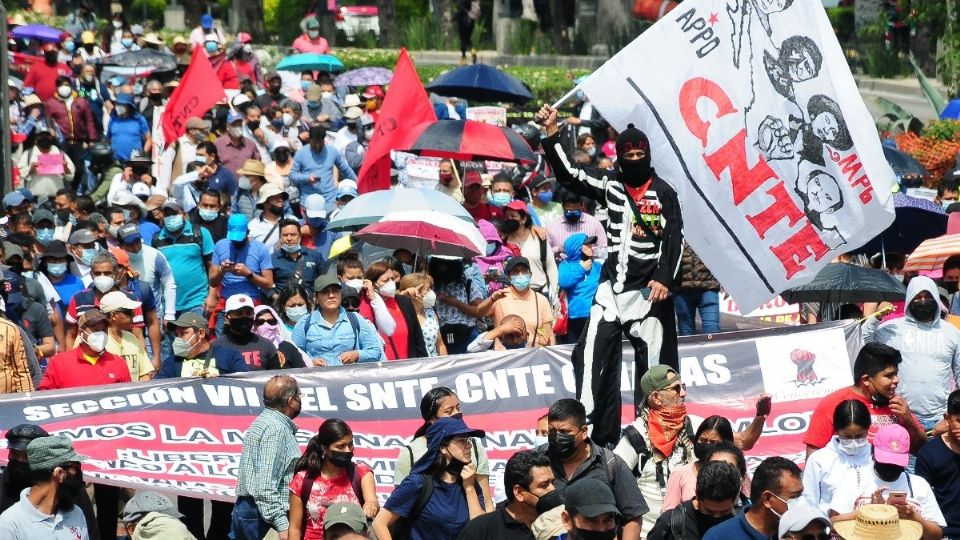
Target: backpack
{"type": "Point", "coordinates": [307, 487]}
{"type": "Point", "coordinates": [400, 530]}
{"type": "Point", "coordinates": [354, 324]}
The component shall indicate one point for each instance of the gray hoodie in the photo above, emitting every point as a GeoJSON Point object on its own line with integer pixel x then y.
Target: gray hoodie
{"type": "Point", "coordinates": [931, 355]}
{"type": "Point", "coordinates": [160, 526]}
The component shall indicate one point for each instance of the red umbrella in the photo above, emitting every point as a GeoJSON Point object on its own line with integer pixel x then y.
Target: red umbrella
{"type": "Point", "coordinates": [426, 233]}
{"type": "Point", "coordinates": [467, 140]}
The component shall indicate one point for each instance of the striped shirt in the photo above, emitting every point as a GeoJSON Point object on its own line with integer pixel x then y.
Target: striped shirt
{"type": "Point", "coordinates": [270, 450]}
{"type": "Point", "coordinates": [15, 372]}
{"type": "Point", "coordinates": [560, 229]}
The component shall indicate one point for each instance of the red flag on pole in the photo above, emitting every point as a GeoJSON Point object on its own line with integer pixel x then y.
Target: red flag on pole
{"type": "Point", "coordinates": [199, 90]}
{"type": "Point", "coordinates": [405, 106]}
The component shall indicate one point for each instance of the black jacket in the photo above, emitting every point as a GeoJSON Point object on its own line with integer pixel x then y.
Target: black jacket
{"type": "Point", "coordinates": [680, 523]}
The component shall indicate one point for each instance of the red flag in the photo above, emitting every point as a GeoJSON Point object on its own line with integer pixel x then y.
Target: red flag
{"type": "Point", "coordinates": [199, 90]}
{"type": "Point", "coordinates": [405, 106]}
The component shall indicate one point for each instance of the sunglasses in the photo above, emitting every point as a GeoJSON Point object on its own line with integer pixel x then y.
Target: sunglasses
{"type": "Point", "coordinates": [350, 304]}
{"type": "Point", "coordinates": [261, 322]}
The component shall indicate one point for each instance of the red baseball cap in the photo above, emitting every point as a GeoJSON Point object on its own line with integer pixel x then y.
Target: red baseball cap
{"type": "Point", "coordinates": [374, 91]}
{"type": "Point", "coordinates": [517, 205]}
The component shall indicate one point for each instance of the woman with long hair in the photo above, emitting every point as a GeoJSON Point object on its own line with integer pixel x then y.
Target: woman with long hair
{"type": "Point", "coordinates": [293, 303]}
{"type": "Point", "coordinates": [324, 475]}
{"type": "Point", "coordinates": [447, 472]}
{"type": "Point", "coordinates": [682, 483]}
{"type": "Point", "coordinates": [440, 402]}
{"type": "Point", "coordinates": [847, 458]}
{"type": "Point", "coordinates": [406, 341]}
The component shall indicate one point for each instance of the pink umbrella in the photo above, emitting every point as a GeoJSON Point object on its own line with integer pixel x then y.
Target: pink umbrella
{"type": "Point", "coordinates": [425, 233]}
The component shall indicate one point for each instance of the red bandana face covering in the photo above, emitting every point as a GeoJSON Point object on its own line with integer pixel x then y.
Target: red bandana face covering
{"type": "Point", "coordinates": [665, 424]}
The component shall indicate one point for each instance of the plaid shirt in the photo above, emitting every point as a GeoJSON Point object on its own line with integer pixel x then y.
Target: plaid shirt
{"type": "Point", "coordinates": [270, 450]}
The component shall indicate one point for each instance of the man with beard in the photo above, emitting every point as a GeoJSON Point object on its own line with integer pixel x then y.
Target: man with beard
{"type": "Point", "coordinates": [718, 490]}
{"type": "Point", "coordinates": [575, 459]}
{"type": "Point", "coordinates": [887, 482]}
{"type": "Point", "coordinates": [238, 335]}
{"type": "Point", "coordinates": [49, 508]}
{"type": "Point", "coordinates": [931, 351]}
{"type": "Point", "coordinates": [16, 476]}
{"type": "Point", "coordinates": [645, 241]}
{"type": "Point", "coordinates": [876, 377]}
{"type": "Point", "coordinates": [270, 450]}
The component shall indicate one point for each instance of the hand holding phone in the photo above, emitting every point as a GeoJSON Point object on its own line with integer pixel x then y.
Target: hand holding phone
{"type": "Point", "coordinates": [897, 498]}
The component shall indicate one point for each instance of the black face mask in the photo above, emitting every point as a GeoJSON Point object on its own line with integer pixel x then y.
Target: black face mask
{"type": "Point", "coordinates": [561, 445]}
{"type": "Point", "coordinates": [950, 286]}
{"type": "Point", "coordinates": [702, 449]}
{"type": "Point", "coordinates": [274, 89]}
{"type": "Point", "coordinates": [276, 210]}
{"type": "Point", "coordinates": [887, 472]}
{"type": "Point", "coordinates": [455, 466]}
{"type": "Point", "coordinates": [580, 534]}
{"type": "Point", "coordinates": [50, 57]}
{"type": "Point", "coordinates": [253, 126]}
{"type": "Point", "coordinates": [68, 493]}
{"type": "Point", "coordinates": [241, 326]}
{"type": "Point", "coordinates": [705, 522]}
{"type": "Point", "coordinates": [238, 244]}
{"type": "Point", "coordinates": [924, 310]}
{"type": "Point", "coordinates": [156, 99]}
{"type": "Point", "coordinates": [549, 501]}
{"type": "Point", "coordinates": [19, 474]}
{"type": "Point", "coordinates": [340, 459]}
{"type": "Point", "coordinates": [63, 216]}
{"type": "Point", "coordinates": [75, 68]}
{"type": "Point", "coordinates": [511, 226]}
{"type": "Point", "coordinates": [634, 172]}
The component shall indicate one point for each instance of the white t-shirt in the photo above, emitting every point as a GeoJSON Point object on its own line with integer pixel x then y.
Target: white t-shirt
{"type": "Point", "coordinates": [847, 497]}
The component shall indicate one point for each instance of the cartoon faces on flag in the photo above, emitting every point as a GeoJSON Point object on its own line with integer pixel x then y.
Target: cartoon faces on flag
{"type": "Point", "coordinates": [799, 60]}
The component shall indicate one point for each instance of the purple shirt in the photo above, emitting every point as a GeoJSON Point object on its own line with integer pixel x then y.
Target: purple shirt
{"type": "Point", "coordinates": [232, 156]}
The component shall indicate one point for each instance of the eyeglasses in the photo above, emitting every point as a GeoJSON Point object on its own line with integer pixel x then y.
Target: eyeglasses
{"type": "Point", "coordinates": [676, 388]}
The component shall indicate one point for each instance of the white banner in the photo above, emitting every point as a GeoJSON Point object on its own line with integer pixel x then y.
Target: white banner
{"type": "Point", "coordinates": [754, 118]}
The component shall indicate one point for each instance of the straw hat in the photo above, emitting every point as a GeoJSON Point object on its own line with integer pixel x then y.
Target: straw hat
{"type": "Point", "coordinates": [252, 167]}
{"type": "Point", "coordinates": [153, 39]}
{"type": "Point", "coordinates": [878, 522]}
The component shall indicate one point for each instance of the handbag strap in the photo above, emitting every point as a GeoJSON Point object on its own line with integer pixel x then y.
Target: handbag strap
{"type": "Point", "coordinates": [639, 217]}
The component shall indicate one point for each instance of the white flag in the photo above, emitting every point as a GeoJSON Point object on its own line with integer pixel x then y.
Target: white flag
{"type": "Point", "coordinates": [754, 118]}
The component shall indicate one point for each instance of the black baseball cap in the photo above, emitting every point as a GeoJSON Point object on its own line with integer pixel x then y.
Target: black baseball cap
{"type": "Point", "coordinates": [590, 498]}
{"type": "Point", "coordinates": [18, 437]}
{"type": "Point", "coordinates": [515, 262]}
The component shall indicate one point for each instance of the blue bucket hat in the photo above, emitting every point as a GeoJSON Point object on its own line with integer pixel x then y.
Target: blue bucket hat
{"type": "Point", "coordinates": [125, 99]}
{"type": "Point", "coordinates": [440, 432]}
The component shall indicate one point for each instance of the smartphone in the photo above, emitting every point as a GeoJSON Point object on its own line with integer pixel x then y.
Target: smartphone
{"type": "Point", "coordinates": [897, 497]}
{"type": "Point", "coordinates": [764, 406]}
{"type": "Point", "coordinates": [645, 292]}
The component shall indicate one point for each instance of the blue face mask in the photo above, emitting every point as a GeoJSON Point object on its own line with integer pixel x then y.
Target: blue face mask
{"type": "Point", "coordinates": [304, 85]}
{"type": "Point", "coordinates": [317, 223]}
{"type": "Point", "coordinates": [407, 268]}
{"type": "Point", "coordinates": [88, 255]}
{"type": "Point", "coordinates": [126, 215]}
{"type": "Point", "coordinates": [126, 42]}
{"type": "Point", "coordinates": [69, 46]}
{"type": "Point", "coordinates": [44, 236]}
{"type": "Point", "coordinates": [207, 215]}
{"type": "Point", "coordinates": [211, 47]}
{"type": "Point", "coordinates": [491, 248]}
{"type": "Point", "coordinates": [500, 199]}
{"type": "Point", "coordinates": [546, 197]}
{"type": "Point", "coordinates": [520, 282]}
{"type": "Point", "coordinates": [173, 223]}
{"type": "Point", "coordinates": [572, 215]}
{"type": "Point", "coordinates": [295, 248]}
{"type": "Point", "coordinates": [57, 269]}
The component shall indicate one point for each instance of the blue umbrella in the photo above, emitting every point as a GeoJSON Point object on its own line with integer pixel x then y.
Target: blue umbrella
{"type": "Point", "coordinates": [39, 32]}
{"type": "Point", "coordinates": [365, 76]}
{"type": "Point", "coordinates": [311, 62]}
{"type": "Point", "coordinates": [479, 82]}
{"type": "Point", "coordinates": [951, 111]}
{"type": "Point", "coordinates": [916, 220]}
{"type": "Point", "coordinates": [902, 163]}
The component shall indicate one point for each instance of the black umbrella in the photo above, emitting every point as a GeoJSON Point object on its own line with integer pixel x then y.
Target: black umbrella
{"type": "Point", "coordinates": [480, 82]}
{"type": "Point", "coordinates": [142, 60]}
{"type": "Point", "coordinates": [902, 163]}
{"type": "Point", "coordinates": [847, 283]}
{"type": "Point", "coordinates": [468, 140]}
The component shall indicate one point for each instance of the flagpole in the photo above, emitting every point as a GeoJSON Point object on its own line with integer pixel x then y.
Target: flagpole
{"type": "Point", "coordinates": [566, 97]}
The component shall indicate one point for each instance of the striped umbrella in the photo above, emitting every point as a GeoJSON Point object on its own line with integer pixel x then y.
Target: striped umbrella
{"type": "Point", "coordinates": [467, 140]}
{"type": "Point", "coordinates": [931, 254]}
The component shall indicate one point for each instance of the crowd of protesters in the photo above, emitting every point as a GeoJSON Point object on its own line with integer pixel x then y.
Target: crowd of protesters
{"type": "Point", "coordinates": [127, 261]}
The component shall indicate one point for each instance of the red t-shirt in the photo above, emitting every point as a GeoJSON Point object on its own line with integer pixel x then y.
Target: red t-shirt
{"type": "Point", "coordinates": [821, 421]}
{"type": "Point", "coordinates": [325, 492]}
{"type": "Point", "coordinates": [488, 212]}
{"type": "Point", "coordinates": [70, 370]}
{"type": "Point", "coordinates": [400, 337]}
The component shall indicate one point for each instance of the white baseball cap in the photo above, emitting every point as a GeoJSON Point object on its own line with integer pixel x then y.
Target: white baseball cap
{"type": "Point", "coordinates": [315, 206]}
{"type": "Point", "coordinates": [238, 301]}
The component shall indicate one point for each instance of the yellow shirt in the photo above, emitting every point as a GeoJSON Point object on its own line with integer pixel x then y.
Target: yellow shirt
{"type": "Point", "coordinates": [129, 348]}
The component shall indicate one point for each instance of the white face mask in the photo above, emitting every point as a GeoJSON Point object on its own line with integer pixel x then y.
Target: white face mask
{"type": "Point", "coordinates": [852, 446]}
{"type": "Point", "coordinates": [429, 299]}
{"type": "Point", "coordinates": [243, 183]}
{"type": "Point", "coordinates": [355, 283]}
{"type": "Point", "coordinates": [326, 95]}
{"type": "Point", "coordinates": [388, 289]}
{"type": "Point", "coordinates": [104, 283]}
{"type": "Point", "coordinates": [64, 91]}
{"type": "Point", "coordinates": [288, 119]}
{"type": "Point", "coordinates": [314, 34]}
{"type": "Point", "coordinates": [236, 131]}
{"type": "Point", "coordinates": [121, 110]}
{"type": "Point", "coordinates": [368, 134]}
{"type": "Point", "coordinates": [97, 341]}
{"type": "Point", "coordinates": [295, 313]}
{"type": "Point", "coordinates": [117, 24]}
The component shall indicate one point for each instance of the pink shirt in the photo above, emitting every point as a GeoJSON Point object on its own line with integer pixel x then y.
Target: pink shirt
{"type": "Point", "coordinates": [682, 486]}
{"type": "Point", "coordinates": [304, 44]}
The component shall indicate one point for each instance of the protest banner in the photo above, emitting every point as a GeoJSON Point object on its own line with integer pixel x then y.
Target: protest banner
{"type": "Point", "coordinates": [754, 118]}
{"type": "Point", "coordinates": [777, 310]}
{"type": "Point", "coordinates": [184, 436]}
{"type": "Point", "coordinates": [488, 115]}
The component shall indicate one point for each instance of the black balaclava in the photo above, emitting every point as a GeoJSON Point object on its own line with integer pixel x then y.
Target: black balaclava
{"type": "Point", "coordinates": [633, 172]}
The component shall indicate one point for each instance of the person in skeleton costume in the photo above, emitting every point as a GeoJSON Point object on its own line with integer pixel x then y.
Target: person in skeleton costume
{"type": "Point", "coordinates": [645, 236]}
